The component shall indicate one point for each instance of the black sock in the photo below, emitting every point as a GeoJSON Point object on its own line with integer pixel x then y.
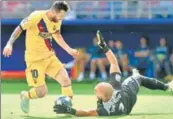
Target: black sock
{"type": "Point", "coordinates": [153, 84]}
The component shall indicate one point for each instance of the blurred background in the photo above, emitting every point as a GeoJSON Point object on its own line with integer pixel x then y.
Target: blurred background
{"type": "Point", "coordinates": [140, 33]}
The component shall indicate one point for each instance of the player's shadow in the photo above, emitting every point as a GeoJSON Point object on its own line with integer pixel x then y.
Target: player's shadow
{"type": "Point", "coordinates": [56, 117]}
{"type": "Point", "coordinates": [70, 117]}
{"type": "Point", "coordinates": [143, 114]}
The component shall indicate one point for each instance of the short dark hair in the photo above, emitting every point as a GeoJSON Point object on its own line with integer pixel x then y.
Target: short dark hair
{"type": "Point", "coordinates": [146, 37]}
{"type": "Point", "coordinates": [60, 5]}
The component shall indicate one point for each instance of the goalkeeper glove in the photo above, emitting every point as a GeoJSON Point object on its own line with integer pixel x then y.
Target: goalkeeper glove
{"type": "Point", "coordinates": [63, 109]}
{"type": "Point", "coordinates": [101, 43]}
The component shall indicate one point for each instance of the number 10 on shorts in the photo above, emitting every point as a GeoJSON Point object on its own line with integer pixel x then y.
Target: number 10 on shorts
{"type": "Point", "coordinates": [34, 74]}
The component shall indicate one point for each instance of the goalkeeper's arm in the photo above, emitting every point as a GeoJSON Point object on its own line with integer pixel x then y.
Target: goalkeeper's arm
{"type": "Point", "coordinates": [62, 109]}
{"type": "Point", "coordinates": [114, 67]}
{"type": "Point", "coordinates": [86, 113]}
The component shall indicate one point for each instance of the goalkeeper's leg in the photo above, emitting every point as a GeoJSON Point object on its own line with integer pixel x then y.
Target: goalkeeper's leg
{"type": "Point", "coordinates": [151, 83]}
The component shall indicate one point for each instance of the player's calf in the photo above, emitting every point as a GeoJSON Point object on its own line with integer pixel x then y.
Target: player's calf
{"type": "Point", "coordinates": [41, 91]}
{"type": "Point", "coordinates": [66, 88]}
{"type": "Point", "coordinates": [35, 93]}
{"type": "Point", "coordinates": [65, 83]}
{"type": "Point", "coordinates": [67, 91]}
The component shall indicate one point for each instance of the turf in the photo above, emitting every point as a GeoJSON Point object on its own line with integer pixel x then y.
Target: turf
{"type": "Point", "coordinates": [54, 88]}
{"type": "Point", "coordinates": [150, 104]}
{"type": "Point", "coordinates": [147, 107]}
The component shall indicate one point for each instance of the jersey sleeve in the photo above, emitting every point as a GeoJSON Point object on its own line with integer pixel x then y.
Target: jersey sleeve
{"type": "Point", "coordinates": [115, 80]}
{"type": "Point", "coordinates": [29, 21]}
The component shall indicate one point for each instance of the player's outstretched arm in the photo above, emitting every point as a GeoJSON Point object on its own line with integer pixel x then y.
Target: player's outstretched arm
{"type": "Point", "coordinates": [59, 39]}
{"type": "Point", "coordinates": [9, 46]}
{"type": "Point", "coordinates": [86, 113]}
{"type": "Point", "coordinates": [62, 109]}
{"type": "Point", "coordinates": [109, 54]}
{"type": "Point", "coordinates": [113, 62]}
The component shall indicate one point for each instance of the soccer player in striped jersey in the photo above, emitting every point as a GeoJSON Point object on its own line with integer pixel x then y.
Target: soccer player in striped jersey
{"type": "Point", "coordinates": [41, 28]}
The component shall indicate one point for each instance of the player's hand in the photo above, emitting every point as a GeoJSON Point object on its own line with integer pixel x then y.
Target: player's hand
{"type": "Point", "coordinates": [63, 109]}
{"type": "Point", "coordinates": [8, 50]}
{"type": "Point", "coordinates": [101, 43]}
{"type": "Point", "coordinates": [73, 52]}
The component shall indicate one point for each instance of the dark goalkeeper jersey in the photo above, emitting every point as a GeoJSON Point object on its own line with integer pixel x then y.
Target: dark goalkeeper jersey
{"type": "Point", "coordinates": [123, 98]}
{"type": "Point", "coordinates": [119, 104]}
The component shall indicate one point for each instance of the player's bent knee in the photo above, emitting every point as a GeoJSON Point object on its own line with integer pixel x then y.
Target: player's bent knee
{"type": "Point", "coordinates": [41, 91]}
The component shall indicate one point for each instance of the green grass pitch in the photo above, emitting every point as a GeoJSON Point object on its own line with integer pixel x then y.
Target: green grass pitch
{"type": "Point", "coordinates": [150, 104]}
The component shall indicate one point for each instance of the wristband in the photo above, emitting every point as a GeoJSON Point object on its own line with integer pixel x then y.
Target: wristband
{"type": "Point", "coordinates": [73, 111]}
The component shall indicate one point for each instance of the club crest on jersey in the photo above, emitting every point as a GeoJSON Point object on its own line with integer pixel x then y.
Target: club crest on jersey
{"type": "Point", "coordinates": [45, 35]}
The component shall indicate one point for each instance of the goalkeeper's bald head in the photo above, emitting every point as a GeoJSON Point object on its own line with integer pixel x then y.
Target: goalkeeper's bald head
{"type": "Point", "coordinates": [104, 91]}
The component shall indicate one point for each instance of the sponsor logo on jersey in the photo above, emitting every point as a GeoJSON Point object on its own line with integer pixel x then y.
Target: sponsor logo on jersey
{"type": "Point", "coordinates": [45, 35]}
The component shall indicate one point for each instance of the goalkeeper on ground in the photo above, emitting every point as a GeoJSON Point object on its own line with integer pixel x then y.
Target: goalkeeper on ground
{"type": "Point", "coordinates": [116, 97]}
